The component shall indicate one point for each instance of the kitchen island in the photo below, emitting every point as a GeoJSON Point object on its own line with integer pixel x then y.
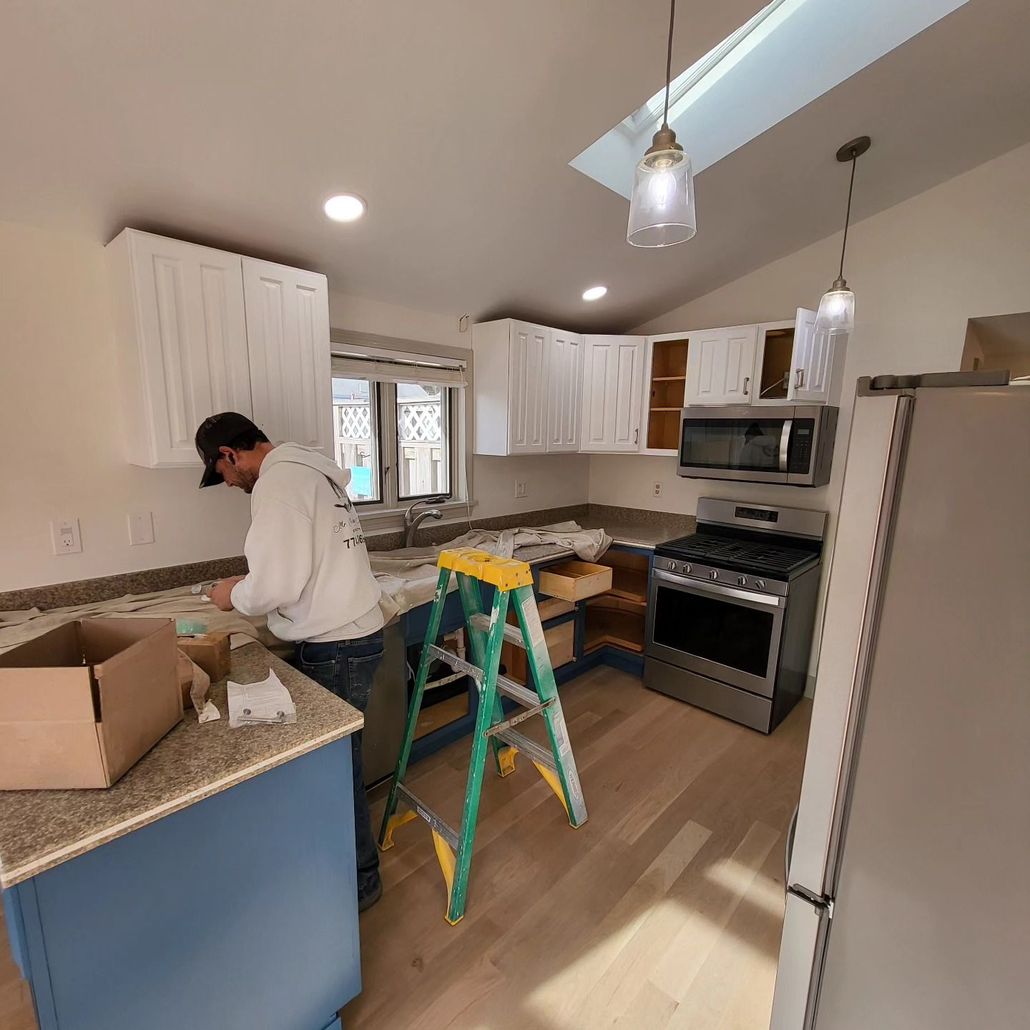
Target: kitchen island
{"type": "Point", "coordinates": [212, 886]}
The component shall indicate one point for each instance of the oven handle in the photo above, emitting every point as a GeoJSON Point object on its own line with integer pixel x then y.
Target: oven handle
{"type": "Point", "coordinates": [699, 586]}
{"type": "Point", "coordinates": [788, 425]}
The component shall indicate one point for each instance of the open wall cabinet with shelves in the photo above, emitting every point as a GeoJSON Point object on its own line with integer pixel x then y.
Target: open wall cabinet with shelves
{"type": "Point", "coordinates": [665, 387]}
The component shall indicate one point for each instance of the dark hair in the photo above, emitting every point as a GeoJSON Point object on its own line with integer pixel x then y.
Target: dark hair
{"type": "Point", "coordinates": [247, 441]}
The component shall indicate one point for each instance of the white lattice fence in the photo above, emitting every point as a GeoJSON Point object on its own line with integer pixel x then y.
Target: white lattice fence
{"type": "Point", "coordinates": [420, 421]}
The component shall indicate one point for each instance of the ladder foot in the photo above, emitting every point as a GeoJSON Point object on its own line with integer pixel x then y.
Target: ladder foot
{"type": "Point", "coordinates": [506, 761]}
{"type": "Point", "coordinates": [386, 840]}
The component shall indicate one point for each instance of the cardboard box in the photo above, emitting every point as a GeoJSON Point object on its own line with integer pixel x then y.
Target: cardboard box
{"type": "Point", "coordinates": [80, 705]}
{"type": "Point", "coordinates": [210, 651]}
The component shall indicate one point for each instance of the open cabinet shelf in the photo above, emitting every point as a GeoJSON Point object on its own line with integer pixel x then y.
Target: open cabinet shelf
{"type": "Point", "coordinates": [666, 391]}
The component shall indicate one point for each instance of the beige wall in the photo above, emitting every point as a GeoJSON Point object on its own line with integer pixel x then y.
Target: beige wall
{"type": "Point", "coordinates": [59, 423]}
{"type": "Point", "coordinates": [919, 270]}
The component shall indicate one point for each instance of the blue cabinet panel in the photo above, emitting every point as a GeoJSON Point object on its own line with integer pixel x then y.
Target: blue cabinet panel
{"type": "Point", "coordinates": [238, 912]}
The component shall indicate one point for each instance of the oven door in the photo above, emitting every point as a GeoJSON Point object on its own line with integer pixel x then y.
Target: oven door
{"type": "Point", "coordinates": [723, 632]}
{"type": "Point", "coordinates": [750, 444]}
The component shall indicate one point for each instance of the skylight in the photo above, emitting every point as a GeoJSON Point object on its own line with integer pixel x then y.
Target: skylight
{"type": "Point", "coordinates": [787, 55]}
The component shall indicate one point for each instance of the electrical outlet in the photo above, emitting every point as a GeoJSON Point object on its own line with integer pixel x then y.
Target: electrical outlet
{"type": "Point", "coordinates": [520, 488]}
{"type": "Point", "coordinates": [658, 489]}
{"type": "Point", "coordinates": [141, 527]}
{"type": "Point", "coordinates": [65, 536]}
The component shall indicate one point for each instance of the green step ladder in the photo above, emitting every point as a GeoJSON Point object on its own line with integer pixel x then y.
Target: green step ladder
{"type": "Point", "coordinates": [486, 634]}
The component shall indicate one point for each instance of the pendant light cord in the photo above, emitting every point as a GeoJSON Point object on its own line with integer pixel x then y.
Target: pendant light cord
{"type": "Point", "coordinates": [847, 216]}
{"type": "Point", "coordinates": [668, 65]}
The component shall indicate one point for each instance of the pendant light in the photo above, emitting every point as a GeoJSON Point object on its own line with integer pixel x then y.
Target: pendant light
{"type": "Point", "coordinates": [661, 208]}
{"type": "Point", "coordinates": [837, 308]}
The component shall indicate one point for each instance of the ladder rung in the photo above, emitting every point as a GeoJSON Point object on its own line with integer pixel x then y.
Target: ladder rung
{"type": "Point", "coordinates": [430, 816]}
{"type": "Point", "coordinates": [511, 633]}
{"type": "Point", "coordinates": [530, 748]}
{"type": "Point", "coordinates": [517, 692]}
{"type": "Point", "coordinates": [517, 718]}
{"type": "Point", "coordinates": [456, 663]}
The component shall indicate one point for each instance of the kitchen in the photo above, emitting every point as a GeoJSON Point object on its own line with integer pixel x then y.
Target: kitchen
{"type": "Point", "coordinates": [909, 255]}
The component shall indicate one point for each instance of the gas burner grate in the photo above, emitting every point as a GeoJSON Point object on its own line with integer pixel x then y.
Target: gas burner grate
{"type": "Point", "coordinates": [753, 555]}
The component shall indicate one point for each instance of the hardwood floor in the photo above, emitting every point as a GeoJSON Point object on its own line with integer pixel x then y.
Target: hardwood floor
{"type": "Point", "coordinates": [664, 910]}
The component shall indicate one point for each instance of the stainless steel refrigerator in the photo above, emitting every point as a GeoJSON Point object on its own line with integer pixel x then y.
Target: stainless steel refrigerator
{"type": "Point", "coordinates": [908, 904]}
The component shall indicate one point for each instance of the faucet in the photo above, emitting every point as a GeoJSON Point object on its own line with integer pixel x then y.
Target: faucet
{"type": "Point", "coordinates": [413, 521]}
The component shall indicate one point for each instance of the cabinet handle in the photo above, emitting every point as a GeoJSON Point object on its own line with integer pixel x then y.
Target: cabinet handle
{"type": "Point", "coordinates": [747, 383]}
{"type": "Point", "coordinates": [636, 436]}
{"type": "Point", "coordinates": [799, 378]}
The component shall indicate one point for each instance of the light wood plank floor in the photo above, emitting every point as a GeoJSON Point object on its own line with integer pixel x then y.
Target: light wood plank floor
{"type": "Point", "coordinates": [664, 910]}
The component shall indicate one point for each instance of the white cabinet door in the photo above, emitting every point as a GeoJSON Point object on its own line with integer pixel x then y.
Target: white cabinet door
{"type": "Point", "coordinates": [613, 369]}
{"type": "Point", "coordinates": [721, 365]}
{"type": "Point", "coordinates": [182, 343]}
{"type": "Point", "coordinates": [288, 338]}
{"type": "Point", "coordinates": [816, 361]}
{"type": "Point", "coordinates": [527, 398]}
{"type": "Point", "coordinates": [564, 374]}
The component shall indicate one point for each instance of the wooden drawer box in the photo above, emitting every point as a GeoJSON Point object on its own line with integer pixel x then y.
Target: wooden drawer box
{"type": "Point", "coordinates": [560, 641]}
{"type": "Point", "coordinates": [574, 580]}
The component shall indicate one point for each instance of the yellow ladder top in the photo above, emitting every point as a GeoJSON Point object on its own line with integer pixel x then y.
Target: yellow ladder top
{"type": "Point", "coordinates": [503, 573]}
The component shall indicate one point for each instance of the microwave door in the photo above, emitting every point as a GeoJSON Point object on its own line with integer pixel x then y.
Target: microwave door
{"type": "Point", "coordinates": [748, 446]}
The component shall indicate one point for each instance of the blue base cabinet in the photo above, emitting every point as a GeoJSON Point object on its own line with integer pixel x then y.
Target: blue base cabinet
{"type": "Point", "coordinates": [237, 912]}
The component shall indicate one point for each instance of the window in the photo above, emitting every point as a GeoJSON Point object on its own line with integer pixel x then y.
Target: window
{"type": "Point", "coordinates": [397, 428]}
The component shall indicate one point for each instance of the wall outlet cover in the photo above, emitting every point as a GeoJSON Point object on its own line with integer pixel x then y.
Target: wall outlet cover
{"type": "Point", "coordinates": [65, 536]}
{"type": "Point", "coordinates": [520, 488]}
{"type": "Point", "coordinates": [658, 489]}
{"type": "Point", "coordinates": [141, 527]}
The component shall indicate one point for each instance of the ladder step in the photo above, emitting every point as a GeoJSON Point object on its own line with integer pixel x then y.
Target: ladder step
{"type": "Point", "coordinates": [526, 713]}
{"type": "Point", "coordinates": [425, 812]}
{"type": "Point", "coordinates": [526, 697]}
{"type": "Point", "coordinates": [456, 663]}
{"type": "Point", "coordinates": [530, 748]}
{"type": "Point", "coordinates": [511, 633]}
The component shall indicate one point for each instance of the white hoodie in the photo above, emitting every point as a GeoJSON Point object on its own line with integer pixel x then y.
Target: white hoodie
{"type": "Point", "coordinates": [306, 552]}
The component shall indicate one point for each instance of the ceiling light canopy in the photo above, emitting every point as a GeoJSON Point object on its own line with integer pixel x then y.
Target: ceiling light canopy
{"type": "Point", "coordinates": [345, 207]}
{"type": "Point", "coordinates": [595, 292]}
{"type": "Point", "coordinates": [836, 313]}
{"type": "Point", "coordinates": [661, 206]}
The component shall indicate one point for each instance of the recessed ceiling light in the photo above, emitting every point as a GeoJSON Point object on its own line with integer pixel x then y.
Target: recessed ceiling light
{"type": "Point", "coordinates": [345, 207]}
{"type": "Point", "coordinates": [595, 292]}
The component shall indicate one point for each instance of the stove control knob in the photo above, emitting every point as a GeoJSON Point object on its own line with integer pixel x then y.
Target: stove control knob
{"type": "Point", "coordinates": [760, 584]}
{"type": "Point", "coordinates": [742, 581]}
{"type": "Point", "coordinates": [687, 568]}
{"type": "Point", "coordinates": [713, 574]}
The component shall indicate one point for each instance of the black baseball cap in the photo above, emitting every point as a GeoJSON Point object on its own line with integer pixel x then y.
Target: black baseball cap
{"type": "Point", "coordinates": [225, 429]}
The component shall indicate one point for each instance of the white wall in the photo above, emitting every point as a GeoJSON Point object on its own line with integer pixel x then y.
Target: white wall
{"type": "Point", "coordinates": [61, 437]}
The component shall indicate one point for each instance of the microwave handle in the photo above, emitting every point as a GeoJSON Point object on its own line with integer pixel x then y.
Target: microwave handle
{"type": "Point", "coordinates": [788, 424]}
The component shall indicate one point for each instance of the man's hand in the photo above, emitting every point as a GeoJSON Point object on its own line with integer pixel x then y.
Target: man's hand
{"type": "Point", "coordinates": [221, 593]}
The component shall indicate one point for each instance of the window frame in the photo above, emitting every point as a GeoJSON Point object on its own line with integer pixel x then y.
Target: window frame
{"type": "Point", "coordinates": [387, 513]}
{"type": "Point", "coordinates": [448, 439]}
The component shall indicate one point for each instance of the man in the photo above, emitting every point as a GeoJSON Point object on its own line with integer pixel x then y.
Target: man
{"type": "Point", "coordinates": [309, 573]}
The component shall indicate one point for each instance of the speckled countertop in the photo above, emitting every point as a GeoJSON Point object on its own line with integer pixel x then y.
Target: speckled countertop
{"type": "Point", "coordinates": [637, 528]}
{"type": "Point", "coordinates": [41, 829]}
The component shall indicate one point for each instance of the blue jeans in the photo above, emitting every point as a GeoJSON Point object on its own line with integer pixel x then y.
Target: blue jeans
{"type": "Point", "coordinates": [346, 667]}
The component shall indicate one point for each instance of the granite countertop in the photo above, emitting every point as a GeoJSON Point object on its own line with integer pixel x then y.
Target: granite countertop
{"type": "Point", "coordinates": [646, 529]}
{"type": "Point", "coordinates": [40, 829]}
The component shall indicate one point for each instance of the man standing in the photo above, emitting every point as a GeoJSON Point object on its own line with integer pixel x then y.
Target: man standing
{"type": "Point", "coordinates": [309, 573]}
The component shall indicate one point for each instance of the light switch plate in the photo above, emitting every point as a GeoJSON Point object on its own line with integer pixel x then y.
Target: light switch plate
{"type": "Point", "coordinates": [141, 527]}
{"type": "Point", "coordinates": [65, 537]}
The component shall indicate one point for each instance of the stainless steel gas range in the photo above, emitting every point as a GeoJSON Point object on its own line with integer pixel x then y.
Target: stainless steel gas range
{"type": "Point", "coordinates": [731, 610]}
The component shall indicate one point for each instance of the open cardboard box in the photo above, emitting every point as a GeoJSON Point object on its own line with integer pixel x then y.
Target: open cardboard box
{"type": "Point", "coordinates": [80, 705]}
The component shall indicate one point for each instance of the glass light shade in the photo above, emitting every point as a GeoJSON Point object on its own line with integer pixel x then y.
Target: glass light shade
{"type": "Point", "coordinates": [661, 208]}
{"type": "Point", "coordinates": [836, 310]}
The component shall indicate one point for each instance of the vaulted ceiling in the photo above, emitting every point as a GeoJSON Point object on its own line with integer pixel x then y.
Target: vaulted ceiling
{"type": "Point", "coordinates": [230, 122]}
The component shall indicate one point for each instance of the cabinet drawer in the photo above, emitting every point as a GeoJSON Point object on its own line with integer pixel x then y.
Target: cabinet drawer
{"type": "Point", "coordinates": [561, 643]}
{"type": "Point", "coordinates": [574, 580]}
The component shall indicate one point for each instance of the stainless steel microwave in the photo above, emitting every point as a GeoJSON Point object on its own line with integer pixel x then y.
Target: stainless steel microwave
{"type": "Point", "coordinates": [791, 445]}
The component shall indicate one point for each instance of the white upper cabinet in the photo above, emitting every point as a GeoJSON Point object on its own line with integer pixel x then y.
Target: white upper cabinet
{"type": "Point", "coordinates": [613, 377]}
{"type": "Point", "coordinates": [564, 379]}
{"type": "Point", "coordinates": [182, 343]}
{"type": "Point", "coordinates": [288, 336]}
{"type": "Point", "coordinates": [816, 362]}
{"type": "Point", "coordinates": [526, 382]}
{"type": "Point", "coordinates": [202, 331]}
{"type": "Point", "coordinates": [721, 365]}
